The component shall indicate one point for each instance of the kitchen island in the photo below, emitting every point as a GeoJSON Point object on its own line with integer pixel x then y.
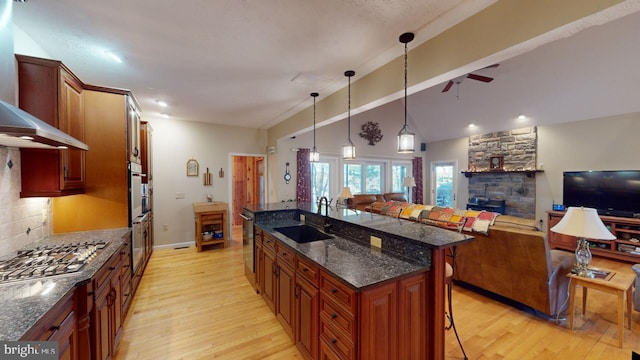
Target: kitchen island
{"type": "Point", "coordinates": [361, 302]}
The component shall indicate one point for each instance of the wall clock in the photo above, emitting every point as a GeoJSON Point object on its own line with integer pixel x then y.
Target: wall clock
{"type": "Point", "coordinates": [496, 163]}
{"type": "Point", "coordinates": [287, 175]}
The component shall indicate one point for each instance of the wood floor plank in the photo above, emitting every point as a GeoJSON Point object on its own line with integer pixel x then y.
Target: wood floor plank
{"type": "Point", "coordinates": [194, 305]}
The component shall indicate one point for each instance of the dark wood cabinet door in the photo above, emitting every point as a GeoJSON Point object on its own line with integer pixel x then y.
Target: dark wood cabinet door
{"type": "Point", "coordinates": [259, 267]}
{"type": "Point", "coordinates": [71, 121]}
{"type": "Point", "coordinates": [286, 298]}
{"type": "Point", "coordinates": [269, 284]}
{"type": "Point", "coordinates": [101, 326]}
{"type": "Point", "coordinates": [559, 240]}
{"type": "Point", "coordinates": [67, 339]}
{"type": "Point", "coordinates": [378, 323]}
{"type": "Point", "coordinates": [306, 318]}
{"type": "Point", "coordinates": [412, 327]}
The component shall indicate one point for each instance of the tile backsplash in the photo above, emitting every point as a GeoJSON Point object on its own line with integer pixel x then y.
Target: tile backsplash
{"type": "Point", "coordinates": [22, 221]}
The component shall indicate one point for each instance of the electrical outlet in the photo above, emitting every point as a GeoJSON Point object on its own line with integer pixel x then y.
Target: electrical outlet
{"type": "Point", "coordinates": [165, 226]}
{"type": "Point", "coordinates": [44, 216]}
{"type": "Point", "coordinates": [179, 195]}
{"type": "Point", "coordinates": [302, 218]}
{"type": "Point", "coordinates": [376, 242]}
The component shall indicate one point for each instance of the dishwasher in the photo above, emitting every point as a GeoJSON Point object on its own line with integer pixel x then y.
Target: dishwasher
{"type": "Point", "coordinates": [247, 244]}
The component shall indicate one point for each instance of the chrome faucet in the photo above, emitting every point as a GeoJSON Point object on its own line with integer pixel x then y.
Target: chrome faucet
{"type": "Point", "coordinates": [326, 206]}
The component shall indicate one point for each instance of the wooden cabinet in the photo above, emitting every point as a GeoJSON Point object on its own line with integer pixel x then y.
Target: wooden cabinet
{"type": "Point", "coordinates": [307, 307]}
{"type": "Point", "coordinates": [330, 319]}
{"type": "Point", "coordinates": [146, 154]}
{"type": "Point", "coordinates": [622, 248]}
{"type": "Point", "coordinates": [52, 93]}
{"type": "Point", "coordinates": [58, 324]}
{"type": "Point", "coordinates": [211, 218]}
{"type": "Point", "coordinates": [133, 131]}
{"type": "Point", "coordinates": [285, 288]}
{"type": "Point", "coordinates": [107, 311]}
{"type": "Point", "coordinates": [258, 266]}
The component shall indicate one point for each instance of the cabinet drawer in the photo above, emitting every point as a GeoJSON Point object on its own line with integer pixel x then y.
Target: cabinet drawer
{"type": "Point", "coordinates": [53, 320]}
{"type": "Point", "coordinates": [286, 255]}
{"type": "Point", "coordinates": [337, 342]}
{"type": "Point", "coordinates": [307, 269]}
{"type": "Point", "coordinates": [337, 317]}
{"type": "Point", "coordinates": [269, 242]}
{"type": "Point", "coordinates": [257, 235]}
{"type": "Point", "coordinates": [211, 217]}
{"type": "Point", "coordinates": [103, 276]}
{"type": "Point", "coordinates": [337, 292]}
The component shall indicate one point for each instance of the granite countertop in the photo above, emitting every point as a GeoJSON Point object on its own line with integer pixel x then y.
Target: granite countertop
{"type": "Point", "coordinates": [359, 266]}
{"type": "Point", "coordinates": [23, 303]}
{"type": "Point", "coordinates": [431, 236]}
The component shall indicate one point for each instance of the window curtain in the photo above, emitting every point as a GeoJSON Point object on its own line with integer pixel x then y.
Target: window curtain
{"type": "Point", "coordinates": [303, 179]}
{"type": "Point", "coordinates": [417, 191]}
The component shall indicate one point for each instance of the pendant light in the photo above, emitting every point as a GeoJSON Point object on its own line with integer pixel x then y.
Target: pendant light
{"type": "Point", "coordinates": [314, 155]}
{"type": "Point", "coordinates": [406, 139]}
{"type": "Point", "coordinates": [348, 149]}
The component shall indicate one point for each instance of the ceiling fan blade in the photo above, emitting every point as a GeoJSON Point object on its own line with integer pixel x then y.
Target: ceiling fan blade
{"type": "Point", "coordinates": [448, 86]}
{"type": "Point", "coordinates": [480, 78]}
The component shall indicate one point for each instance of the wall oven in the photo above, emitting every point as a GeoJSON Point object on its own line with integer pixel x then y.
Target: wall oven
{"type": "Point", "coordinates": [136, 215]}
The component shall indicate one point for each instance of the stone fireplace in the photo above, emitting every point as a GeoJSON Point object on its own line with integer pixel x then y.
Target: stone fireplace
{"type": "Point", "coordinates": [515, 182]}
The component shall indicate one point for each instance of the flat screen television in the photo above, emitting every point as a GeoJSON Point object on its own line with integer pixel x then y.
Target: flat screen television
{"type": "Point", "coordinates": [615, 193]}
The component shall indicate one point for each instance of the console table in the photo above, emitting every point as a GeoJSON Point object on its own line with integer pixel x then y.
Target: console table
{"type": "Point", "coordinates": [211, 217]}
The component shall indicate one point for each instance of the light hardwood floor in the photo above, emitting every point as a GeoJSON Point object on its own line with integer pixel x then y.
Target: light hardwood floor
{"type": "Point", "coordinates": [200, 306]}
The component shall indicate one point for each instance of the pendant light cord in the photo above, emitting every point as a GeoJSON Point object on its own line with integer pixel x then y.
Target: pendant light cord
{"type": "Point", "coordinates": [314, 121]}
{"type": "Point", "coordinates": [349, 112]}
{"type": "Point", "coordinates": [405, 85]}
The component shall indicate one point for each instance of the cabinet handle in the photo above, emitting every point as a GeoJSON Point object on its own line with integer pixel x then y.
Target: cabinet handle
{"type": "Point", "coordinates": [334, 291]}
{"type": "Point", "coordinates": [65, 172]}
{"type": "Point", "coordinates": [112, 268]}
{"type": "Point", "coordinates": [334, 341]}
{"type": "Point", "coordinates": [305, 270]}
{"type": "Point", "coordinates": [284, 253]}
{"type": "Point", "coordinates": [54, 328]}
{"type": "Point", "coordinates": [333, 316]}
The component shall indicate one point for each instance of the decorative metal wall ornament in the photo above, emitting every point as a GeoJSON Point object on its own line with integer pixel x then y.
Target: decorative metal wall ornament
{"type": "Point", "coordinates": [371, 132]}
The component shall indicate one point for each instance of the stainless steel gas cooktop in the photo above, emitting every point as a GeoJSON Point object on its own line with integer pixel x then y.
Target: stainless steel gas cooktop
{"type": "Point", "coordinates": [49, 260]}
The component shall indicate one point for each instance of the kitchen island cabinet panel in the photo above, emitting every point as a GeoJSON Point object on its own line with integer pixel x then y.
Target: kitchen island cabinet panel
{"type": "Point", "coordinates": [378, 323]}
{"type": "Point", "coordinates": [269, 277]}
{"type": "Point", "coordinates": [285, 303]}
{"type": "Point", "coordinates": [306, 318]}
{"type": "Point", "coordinates": [412, 329]}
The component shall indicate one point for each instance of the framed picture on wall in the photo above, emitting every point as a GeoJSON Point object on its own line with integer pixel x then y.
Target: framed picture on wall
{"type": "Point", "coordinates": [192, 167]}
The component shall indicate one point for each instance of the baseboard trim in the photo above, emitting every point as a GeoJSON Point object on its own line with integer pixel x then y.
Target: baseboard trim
{"type": "Point", "coordinates": [175, 245]}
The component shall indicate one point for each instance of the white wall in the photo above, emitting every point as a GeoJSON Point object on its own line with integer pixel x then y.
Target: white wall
{"type": "Point", "coordinates": [16, 215]}
{"type": "Point", "coordinates": [174, 143]}
{"type": "Point", "coordinates": [329, 141]}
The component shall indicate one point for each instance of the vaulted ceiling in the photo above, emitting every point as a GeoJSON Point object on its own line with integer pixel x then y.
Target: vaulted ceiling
{"type": "Point", "coordinates": [254, 63]}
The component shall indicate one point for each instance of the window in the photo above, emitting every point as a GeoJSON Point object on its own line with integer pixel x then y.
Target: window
{"type": "Point", "coordinates": [398, 173]}
{"type": "Point", "coordinates": [364, 177]}
{"type": "Point", "coordinates": [320, 180]}
{"type": "Point", "coordinates": [443, 183]}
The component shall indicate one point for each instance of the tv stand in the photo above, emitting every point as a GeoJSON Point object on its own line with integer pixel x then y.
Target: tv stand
{"type": "Point", "coordinates": [622, 248]}
{"type": "Point", "coordinates": [616, 213]}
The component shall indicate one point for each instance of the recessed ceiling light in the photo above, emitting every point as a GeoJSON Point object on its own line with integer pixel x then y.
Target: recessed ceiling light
{"type": "Point", "coordinates": [114, 57]}
{"type": "Point", "coordinates": [25, 137]}
{"type": "Point", "coordinates": [522, 117]}
{"type": "Point", "coordinates": [161, 103]}
{"type": "Point", "coordinates": [472, 126]}
{"type": "Point", "coordinates": [164, 115]}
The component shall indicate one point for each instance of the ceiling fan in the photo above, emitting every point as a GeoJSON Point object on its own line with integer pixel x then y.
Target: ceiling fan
{"type": "Point", "coordinates": [459, 79]}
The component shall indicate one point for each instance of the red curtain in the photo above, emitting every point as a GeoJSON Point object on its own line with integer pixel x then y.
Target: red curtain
{"type": "Point", "coordinates": [303, 179]}
{"type": "Point", "coordinates": [417, 175]}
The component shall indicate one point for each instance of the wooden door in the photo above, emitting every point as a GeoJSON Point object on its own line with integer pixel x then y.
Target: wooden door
{"type": "Point", "coordinates": [247, 182]}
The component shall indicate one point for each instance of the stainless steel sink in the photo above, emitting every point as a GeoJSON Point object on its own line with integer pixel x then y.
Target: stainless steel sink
{"type": "Point", "coordinates": [302, 233]}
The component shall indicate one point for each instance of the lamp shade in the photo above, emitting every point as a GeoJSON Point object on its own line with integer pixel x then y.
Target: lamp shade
{"type": "Point", "coordinates": [409, 181]}
{"type": "Point", "coordinates": [583, 223]}
{"type": "Point", "coordinates": [345, 193]}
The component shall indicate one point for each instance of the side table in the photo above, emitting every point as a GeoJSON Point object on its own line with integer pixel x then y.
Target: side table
{"type": "Point", "coordinates": [607, 281]}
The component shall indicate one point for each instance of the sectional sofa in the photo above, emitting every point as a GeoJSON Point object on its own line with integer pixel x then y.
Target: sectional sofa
{"type": "Point", "coordinates": [509, 257]}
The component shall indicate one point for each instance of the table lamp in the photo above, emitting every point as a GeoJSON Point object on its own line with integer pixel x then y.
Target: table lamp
{"type": "Point", "coordinates": [345, 194]}
{"type": "Point", "coordinates": [408, 182]}
{"type": "Point", "coordinates": [583, 223]}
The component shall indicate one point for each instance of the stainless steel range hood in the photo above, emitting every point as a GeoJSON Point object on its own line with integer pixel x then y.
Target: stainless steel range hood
{"type": "Point", "coordinates": [20, 129]}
